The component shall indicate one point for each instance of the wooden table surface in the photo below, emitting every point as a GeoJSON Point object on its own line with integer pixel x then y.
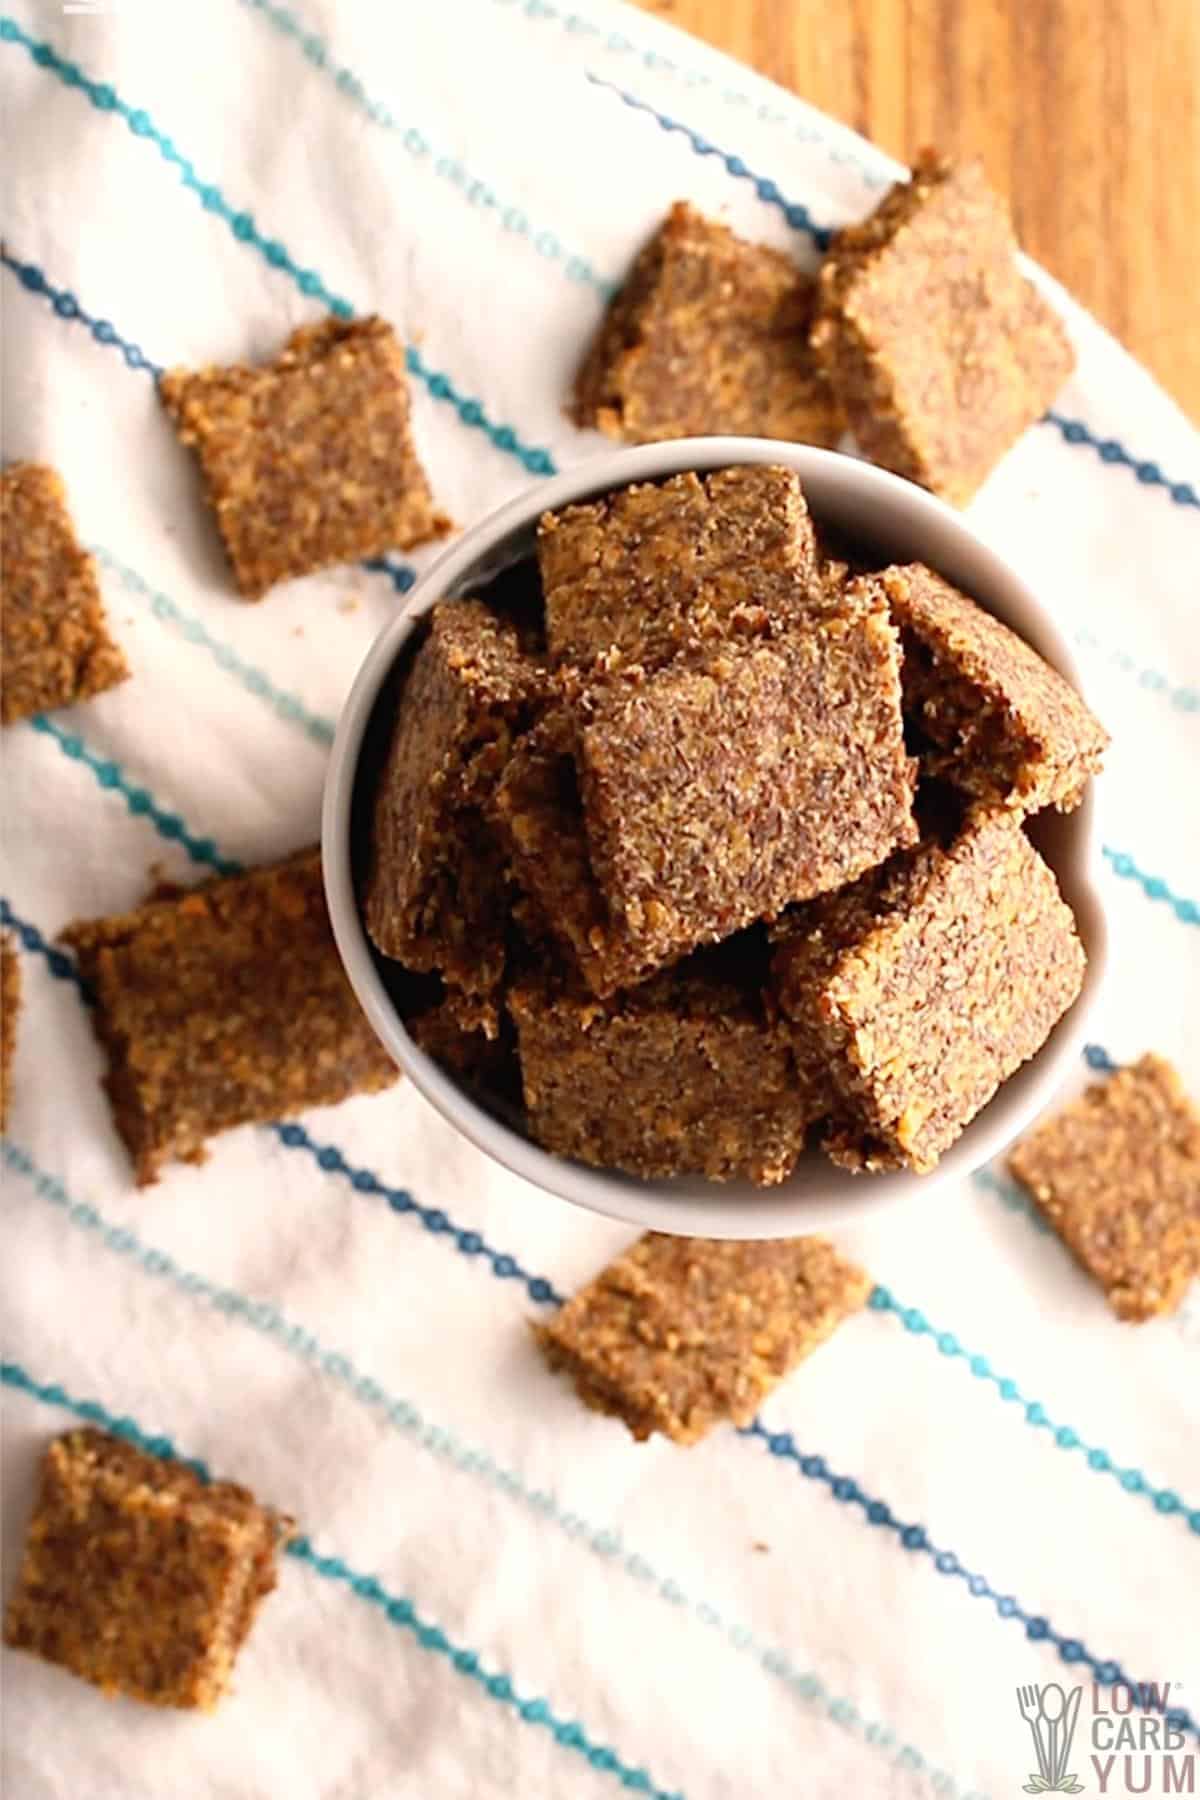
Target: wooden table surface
{"type": "Point", "coordinates": [1086, 114]}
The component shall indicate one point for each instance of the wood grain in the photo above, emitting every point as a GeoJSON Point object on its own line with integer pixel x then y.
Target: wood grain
{"type": "Point", "coordinates": [1086, 114]}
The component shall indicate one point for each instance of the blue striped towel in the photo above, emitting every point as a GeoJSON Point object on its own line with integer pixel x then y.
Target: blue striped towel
{"type": "Point", "coordinates": [982, 1482]}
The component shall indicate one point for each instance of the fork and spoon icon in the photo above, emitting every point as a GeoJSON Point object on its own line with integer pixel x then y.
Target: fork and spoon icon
{"type": "Point", "coordinates": [1050, 1715]}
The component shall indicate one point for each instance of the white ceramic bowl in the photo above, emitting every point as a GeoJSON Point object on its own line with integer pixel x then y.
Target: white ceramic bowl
{"type": "Point", "coordinates": [905, 524]}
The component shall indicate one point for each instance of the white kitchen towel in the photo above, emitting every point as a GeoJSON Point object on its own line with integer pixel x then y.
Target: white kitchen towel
{"type": "Point", "coordinates": [982, 1482]}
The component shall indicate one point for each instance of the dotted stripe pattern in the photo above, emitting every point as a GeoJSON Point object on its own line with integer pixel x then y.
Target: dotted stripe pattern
{"type": "Point", "coordinates": [398, 1609]}
{"type": "Point", "coordinates": [402, 575]}
{"type": "Point", "coordinates": [512, 219]}
{"type": "Point", "coordinates": [400, 1415]}
{"type": "Point", "coordinates": [242, 225]}
{"type": "Point", "coordinates": [469, 1243]}
{"type": "Point", "coordinates": [616, 42]}
{"type": "Point", "coordinates": [1153, 886]}
{"type": "Point", "coordinates": [1164, 1500]}
{"type": "Point", "coordinates": [916, 1540]}
{"type": "Point", "coordinates": [780, 1444]}
{"type": "Point", "coordinates": [1073, 431]}
{"type": "Point", "coordinates": [797, 215]}
{"type": "Point", "coordinates": [138, 800]}
{"type": "Point", "coordinates": [284, 705]}
{"type": "Point", "coordinates": [1184, 699]}
{"type": "Point", "coordinates": [60, 965]}
{"type": "Point", "coordinates": [68, 307]}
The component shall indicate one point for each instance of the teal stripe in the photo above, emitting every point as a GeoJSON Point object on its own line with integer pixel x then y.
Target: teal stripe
{"type": "Point", "coordinates": [1011, 1196]}
{"type": "Point", "coordinates": [284, 705]}
{"type": "Point", "coordinates": [512, 219]}
{"type": "Point", "coordinates": [1185, 699]}
{"type": "Point", "coordinates": [400, 1415]}
{"type": "Point", "coordinates": [138, 800]}
{"type": "Point", "coordinates": [1153, 886]}
{"type": "Point", "coordinates": [105, 99]}
{"type": "Point", "coordinates": [397, 1608]}
{"type": "Point", "coordinates": [1164, 1500]}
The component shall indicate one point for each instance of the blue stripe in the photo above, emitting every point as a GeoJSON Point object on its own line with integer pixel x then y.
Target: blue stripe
{"type": "Point", "coordinates": [780, 1444]}
{"type": "Point", "coordinates": [1153, 886]}
{"type": "Point", "coordinates": [397, 1609]}
{"type": "Point", "coordinates": [1110, 451]}
{"type": "Point", "coordinates": [243, 227]}
{"type": "Point", "coordinates": [1073, 431]}
{"type": "Point", "coordinates": [1098, 1058]}
{"type": "Point", "coordinates": [138, 800]}
{"type": "Point", "coordinates": [506, 1267]}
{"type": "Point", "coordinates": [1185, 698]}
{"type": "Point", "coordinates": [400, 1415]}
{"type": "Point", "coordinates": [797, 216]}
{"type": "Point", "coordinates": [67, 306]}
{"type": "Point", "coordinates": [1164, 1500]}
{"type": "Point", "coordinates": [447, 168]}
{"type": "Point", "coordinates": [1011, 1196]}
{"type": "Point", "coordinates": [915, 1539]}
{"type": "Point", "coordinates": [400, 1201]}
{"type": "Point", "coordinates": [286, 706]}
{"type": "Point", "coordinates": [402, 575]}
{"type": "Point", "coordinates": [616, 41]}
{"type": "Point", "coordinates": [61, 966]}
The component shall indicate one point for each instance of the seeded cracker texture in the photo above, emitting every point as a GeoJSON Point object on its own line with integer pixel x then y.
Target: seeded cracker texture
{"type": "Point", "coordinates": [539, 816]}
{"type": "Point", "coordinates": [1117, 1174]}
{"type": "Point", "coordinates": [221, 1006]}
{"type": "Point", "coordinates": [54, 642]}
{"type": "Point", "coordinates": [923, 987]}
{"type": "Point", "coordinates": [709, 335]}
{"type": "Point", "coordinates": [10, 1007]}
{"type": "Point", "coordinates": [308, 460]}
{"type": "Point", "coordinates": [682, 1075]}
{"type": "Point", "coordinates": [653, 567]}
{"type": "Point", "coordinates": [681, 1334]}
{"type": "Point", "coordinates": [715, 792]}
{"type": "Point", "coordinates": [137, 1575]}
{"type": "Point", "coordinates": [937, 347]}
{"type": "Point", "coordinates": [994, 718]}
{"type": "Point", "coordinates": [436, 894]}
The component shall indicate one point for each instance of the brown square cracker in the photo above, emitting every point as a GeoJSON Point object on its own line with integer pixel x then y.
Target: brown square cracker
{"type": "Point", "coordinates": [1117, 1174]}
{"type": "Point", "coordinates": [683, 1075]}
{"type": "Point", "coordinates": [54, 643]}
{"type": "Point", "coordinates": [709, 787]}
{"type": "Point", "coordinates": [709, 334]}
{"type": "Point", "coordinates": [651, 568]}
{"type": "Point", "coordinates": [992, 715]}
{"type": "Point", "coordinates": [436, 895]}
{"type": "Point", "coordinates": [224, 1005]}
{"type": "Point", "coordinates": [924, 986]}
{"type": "Point", "coordinates": [938, 348]}
{"type": "Point", "coordinates": [139, 1576]}
{"type": "Point", "coordinates": [680, 1334]}
{"type": "Point", "coordinates": [10, 1007]}
{"type": "Point", "coordinates": [308, 460]}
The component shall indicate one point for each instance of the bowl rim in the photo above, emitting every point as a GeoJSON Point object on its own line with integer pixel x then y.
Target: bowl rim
{"type": "Point", "coordinates": [697, 1206]}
